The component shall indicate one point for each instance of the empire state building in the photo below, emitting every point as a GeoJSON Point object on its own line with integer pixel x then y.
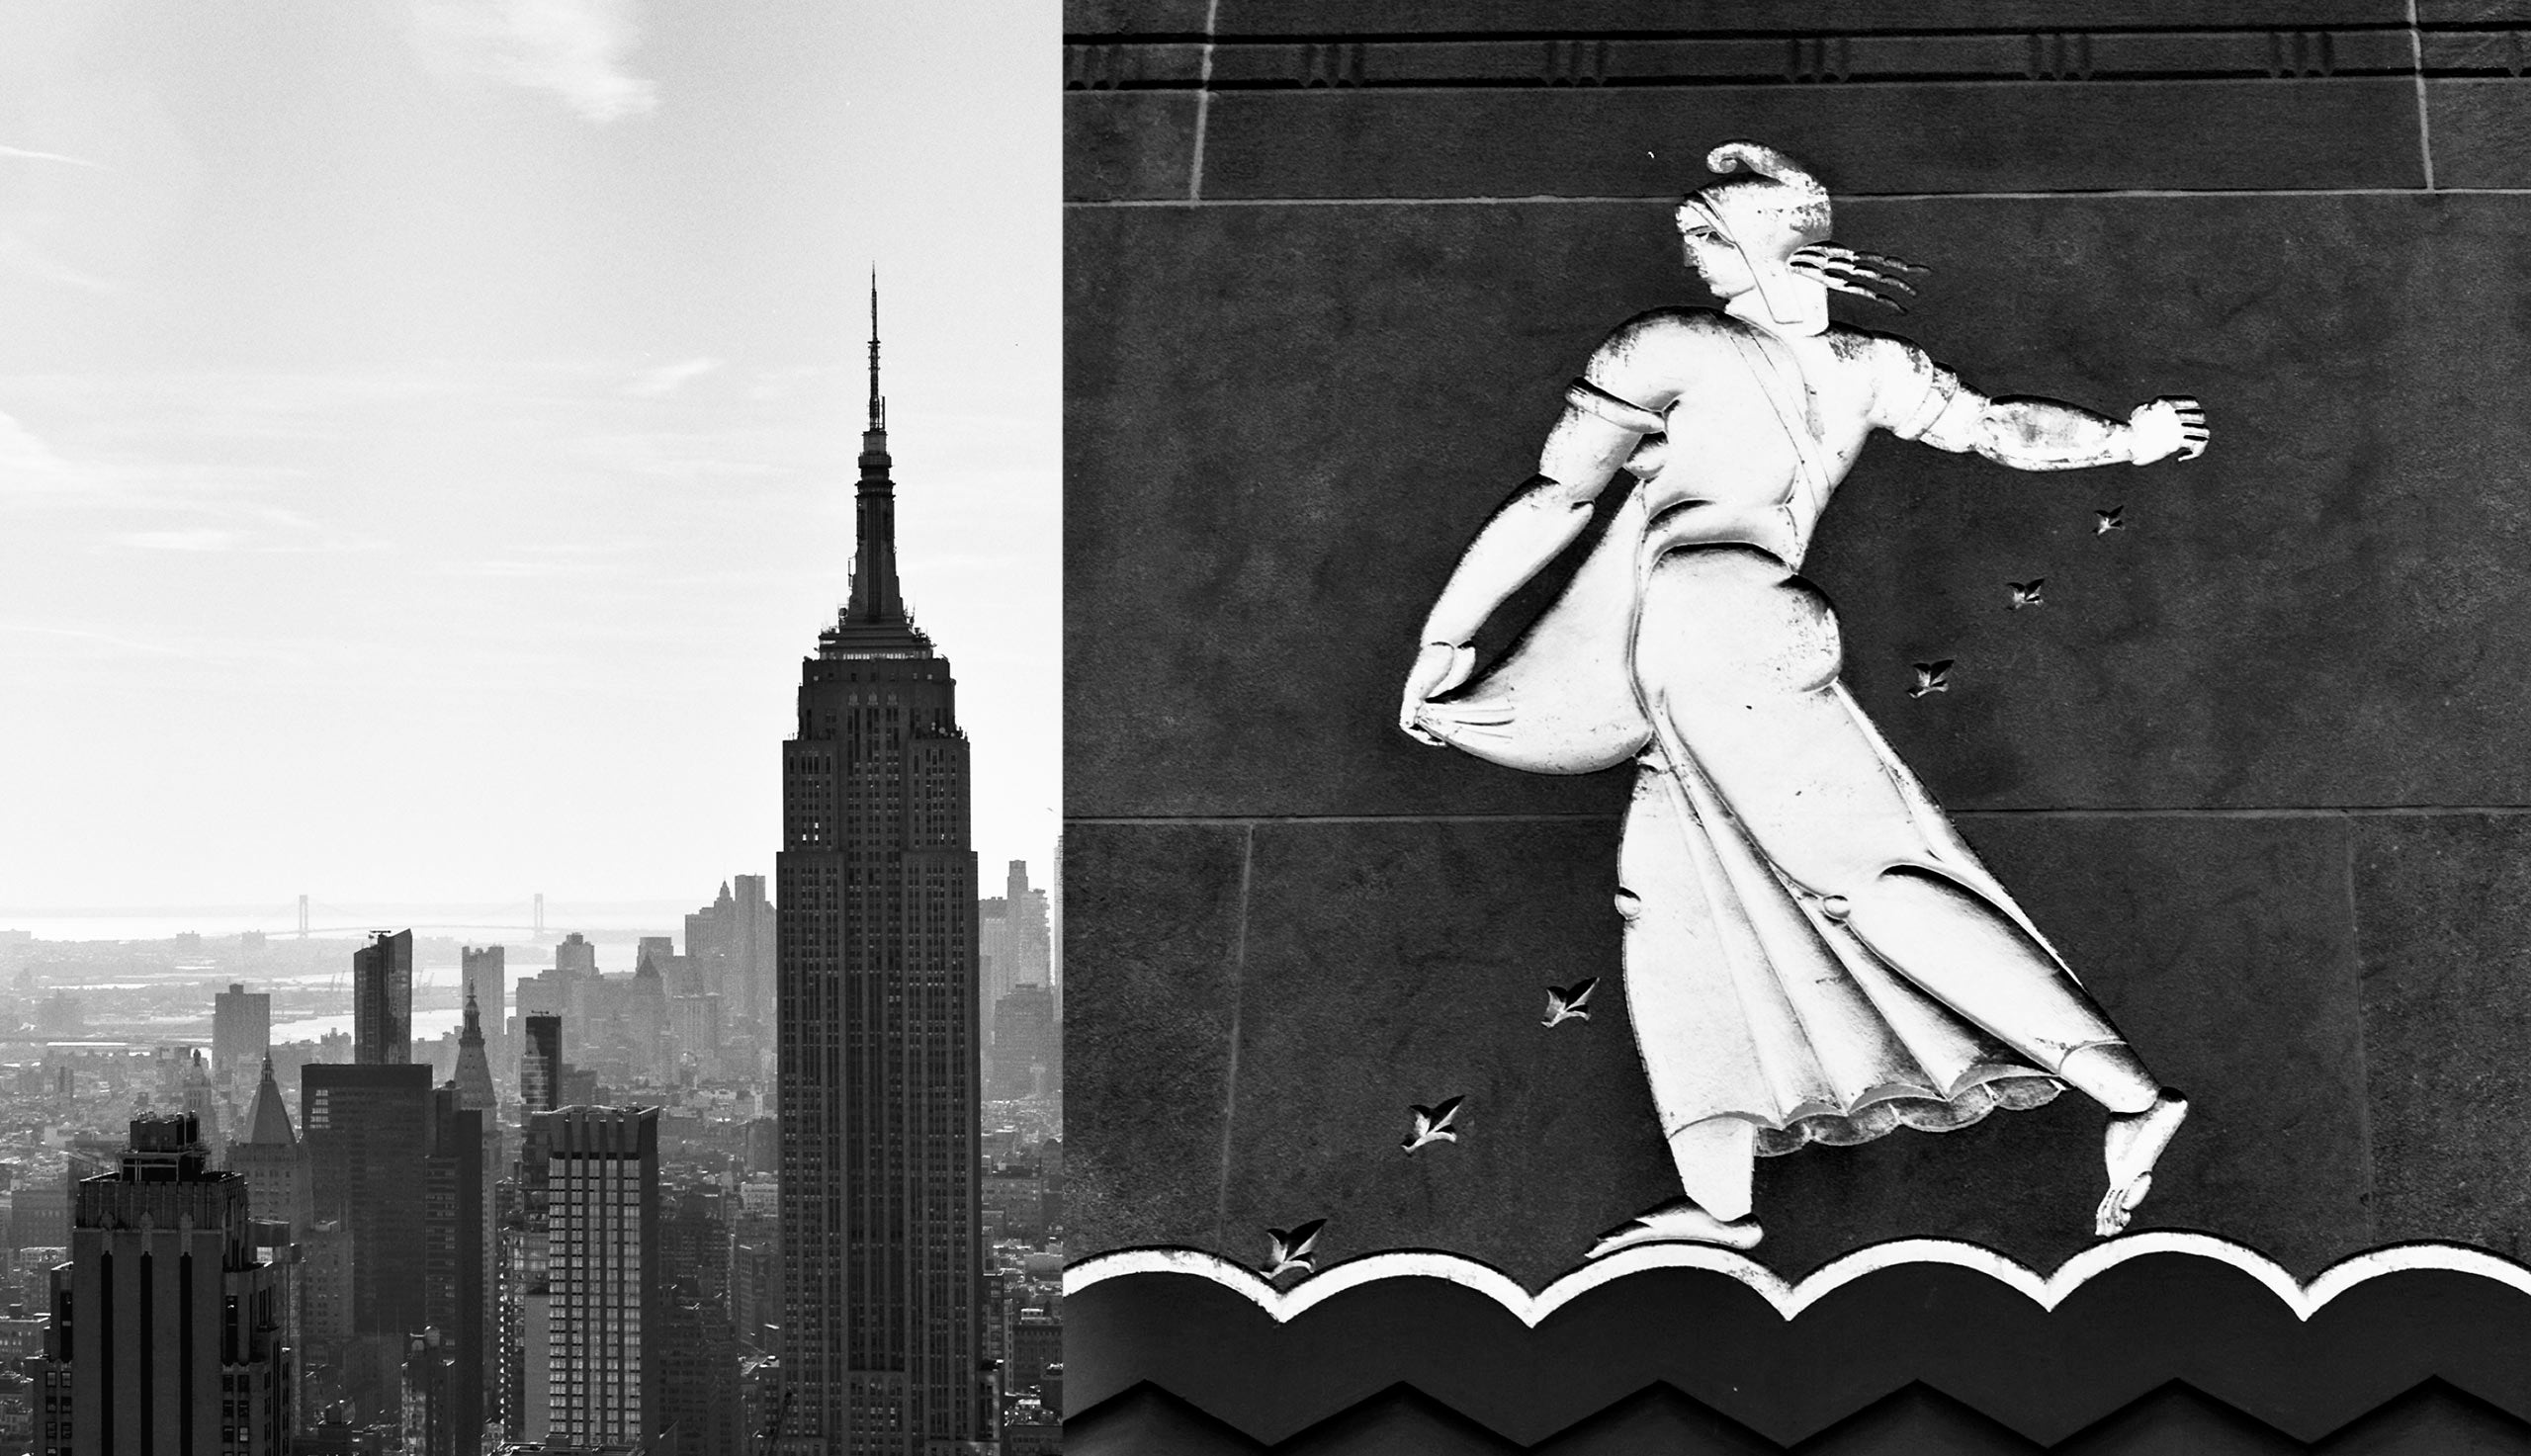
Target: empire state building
{"type": "Point", "coordinates": [875, 885]}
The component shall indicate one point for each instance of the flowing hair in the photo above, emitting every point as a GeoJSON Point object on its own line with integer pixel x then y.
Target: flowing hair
{"type": "Point", "coordinates": [1778, 196]}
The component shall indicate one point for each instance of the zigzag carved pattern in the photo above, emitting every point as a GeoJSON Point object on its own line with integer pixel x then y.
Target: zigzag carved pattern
{"type": "Point", "coordinates": [2430, 1418]}
{"type": "Point", "coordinates": [2169, 1339]}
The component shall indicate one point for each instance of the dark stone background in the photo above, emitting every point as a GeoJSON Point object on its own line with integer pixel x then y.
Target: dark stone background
{"type": "Point", "coordinates": [2256, 765]}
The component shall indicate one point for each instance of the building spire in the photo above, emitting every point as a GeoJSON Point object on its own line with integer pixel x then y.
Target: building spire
{"type": "Point", "coordinates": [268, 1121]}
{"type": "Point", "coordinates": [473, 1071]}
{"type": "Point", "coordinates": [875, 597]}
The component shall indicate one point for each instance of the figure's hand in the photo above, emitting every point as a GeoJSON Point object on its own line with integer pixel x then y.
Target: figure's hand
{"type": "Point", "coordinates": [1438, 668]}
{"type": "Point", "coordinates": [2171, 425]}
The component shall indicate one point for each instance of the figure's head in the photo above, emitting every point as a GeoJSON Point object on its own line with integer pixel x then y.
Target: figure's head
{"type": "Point", "coordinates": [1741, 232]}
{"type": "Point", "coordinates": [1761, 243]}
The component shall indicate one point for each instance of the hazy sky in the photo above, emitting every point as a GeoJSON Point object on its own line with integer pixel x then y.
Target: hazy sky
{"type": "Point", "coordinates": [427, 431]}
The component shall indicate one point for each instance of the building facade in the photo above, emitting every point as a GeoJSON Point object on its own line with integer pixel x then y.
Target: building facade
{"type": "Point", "coordinates": [731, 941]}
{"type": "Point", "coordinates": [487, 973]}
{"type": "Point", "coordinates": [475, 1063]}
{"type": "Point", "coordinates": [166, 1328]}
{"type": "Point", "coordinates": [241, 1034]}
{"type": "Point", "coordinates": [270, 1159]}
{"type": "Point", "coordinates": [367, 1130]}
{"type": "Point", "coordinates": [1014, 943]}
{"type": "Point", "coordinates": [1026, 1044]}
{"type": "Point", "coordinates": [383, 1000]}
{"type": "Point", "coordinates": [539, 1062]}
{"type": "Point", "coordinates": [875, 895]}
{"type": "Point", "coordinates": [602, 1315]}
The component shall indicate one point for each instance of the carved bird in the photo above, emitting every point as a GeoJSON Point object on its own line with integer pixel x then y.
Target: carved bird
{"type": "Point", "coordinates": [1931, 677]}
{"type": "Point", "coordinates": [1432, 1125]}
{"type": "Point", "coordinates": [1567, 1002]}
{"type": "Point", "coordinates": [1291, 1248]}
{"type": "Point", "coordinates": [2113, 519]}
{"type": "Point", "coordinates": [2026, 593]}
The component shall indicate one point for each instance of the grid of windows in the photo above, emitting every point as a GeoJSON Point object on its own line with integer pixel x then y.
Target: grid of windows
{"type": "Point", "coordinates": [876, 916]}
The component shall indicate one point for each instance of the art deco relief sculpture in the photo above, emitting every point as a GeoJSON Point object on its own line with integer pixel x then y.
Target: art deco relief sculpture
{"type": "Point", "coordinates": [1811, 953]}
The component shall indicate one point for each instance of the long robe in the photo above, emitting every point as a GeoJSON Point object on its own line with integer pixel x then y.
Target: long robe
{"type": "Point", "coordinates": [1751, 997]}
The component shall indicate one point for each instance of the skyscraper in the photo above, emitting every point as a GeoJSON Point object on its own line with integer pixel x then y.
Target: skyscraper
{"type": "Point", "coordinates": [486, 971]}
{"type": "Point", "coordinates": [271, 1161]}
{"type": "Point", "coordinates": [540, 1063]}
{"type": "Point", "coordinates": [274, 1163]}
{"type": "Point", "coordinates": [604, 1358]}
{"type": "Point", "coordinates": [383, 1000]}
{"type": "Point", "coordinates": [241, 1034]}
{"type": "Point", "coordinates": [367, 1131]}
{"type": "Point", "coordinates": [456, 1227]}
{"type": "Point", "coordinates": [751, 938]}
{"type": "Point", "coordinates": [1026, 1059]}
{"type": "Point", "coordinates": [732, 943]}
{"type": "Point", "coordinates": [473, 1067]}
{"type": "Point", "coordinates": [877, 1025]}
{"type": "Point", "coordinates": [166, 1331]}
{"type": "Point", "coordinates": [574, 957]}
{"type": "Point", "coordinates": [1014, 943]}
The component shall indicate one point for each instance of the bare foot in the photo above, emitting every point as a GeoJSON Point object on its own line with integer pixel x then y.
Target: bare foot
{"type": "Point", "coordinates": [2134, 1142]}
{"type": "Point", "coordinates": [1677, 1222]}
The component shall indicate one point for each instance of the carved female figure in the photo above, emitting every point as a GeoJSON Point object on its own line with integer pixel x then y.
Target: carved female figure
{"type": "Point", "coordinates": [1812, 952]}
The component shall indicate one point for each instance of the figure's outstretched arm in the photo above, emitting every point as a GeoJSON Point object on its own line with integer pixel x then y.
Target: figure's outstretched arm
{"type": "Point", "coordinates": [1584, 452]}
{"type": "Point", "coordinates": [2043, 435]}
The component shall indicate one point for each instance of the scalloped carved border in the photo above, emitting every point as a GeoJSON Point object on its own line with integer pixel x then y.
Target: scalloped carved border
{"type": "Point", "coordinates": [1790, 1298]}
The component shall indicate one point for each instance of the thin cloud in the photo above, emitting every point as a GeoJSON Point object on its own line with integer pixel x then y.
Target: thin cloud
{"type": "Point", "coordinates": [572, 48]}
{"type": "Point", "coordinates": [27, 463]}
{"type": "Point", "coordinates": [85, 634]}
{"type": "Point", "coordinates": [198, 539]}
{"type": "Point", "coordinates": [523, 570]}
{"type": "Point", "coordinates": [20, 153]}
{"type": "Point", "coordinates": [17, 255]}
{"type": "Point", "coordinates": [667, 378]}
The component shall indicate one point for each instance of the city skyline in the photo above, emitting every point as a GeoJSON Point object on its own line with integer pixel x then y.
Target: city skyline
{"type": "Point", "coordinates": [456, 421]}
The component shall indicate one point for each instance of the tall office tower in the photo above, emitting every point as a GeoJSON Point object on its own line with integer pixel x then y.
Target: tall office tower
{"type": "Point", "coordinates": [274, 1163]}
{"type": "Point", "coordinates": [166, 1330]}
{"type": "Point", "coordinates": [700, 1377]}
{"type": "Point", "coordinates": [694, 1027]}
{"type": "Point", "coordinates": [487, 972]}
{"type": "Point", "coordinates": [241, 1034]}
{"type": "Point", "coordinates": [876, 898]}
{"type": "Point", "coordinates": [701, 1381]}
{"type": "Point", "coordinates": [752, 950]}
{"type": "Point", "coordinates": [706, 939]}
{"type": "Point", "coordinates": [271, 1161]}
{"type": "Point", "coordinates": [383, 1000]}
{"type": "Point", "coordinates": [202, 1101]}
{"type": "Point", "coordinates": [456, 1227]}
{"type": "Point", "coordinates": [367, 1131]}
{"type": "Point", "coordinates": [1024, 1057]}
{"type": "Point", "coordinates": [574, 957]}
{"type": "Point", "coordinates": [732, 943]}
{"type": "Point", "coordinates": [324, 1293]}
{"type": "Point", "coordinates": [540, 1063]}
{"type": "Point", "coordinates": [1055, 927]}
{"type": "Point", "coordinates": [603, 1361]}
{"type": "Point", "coordinates": [522, 1325]}
{"type": "Point", "coordinates": [431, 1399]}
{"type": "Point", "coordinates": [473, 1067]}
{"type": "Point", "coordinates": [1013, 936]}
